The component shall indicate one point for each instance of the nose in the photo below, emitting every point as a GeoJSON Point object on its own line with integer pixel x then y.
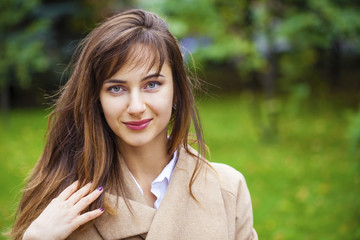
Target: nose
{"type": "Point", "coordinates": [136, 104]}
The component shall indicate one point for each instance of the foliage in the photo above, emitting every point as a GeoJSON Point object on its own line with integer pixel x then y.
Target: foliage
{"type": "Point", "coordinates": [248, 33]}
{"type": "Point", "coordinates": [22, 41]}
{"type": "Point", "coordinates": [278, 43]}
{"type": "Point", "coordinates": [40, 37]}
{"type": "Point", "coordinates": [218, 31]}
{"type": "Point", "coordinates": [305, 185]}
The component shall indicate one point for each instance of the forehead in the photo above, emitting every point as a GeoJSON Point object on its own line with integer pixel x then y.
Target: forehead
{"type": "Point", "coordinates": [140, 61]}
{"type": "Point", "coordinates": [135, 74]}
{"type": "Point", "coordinates": [145, 57]}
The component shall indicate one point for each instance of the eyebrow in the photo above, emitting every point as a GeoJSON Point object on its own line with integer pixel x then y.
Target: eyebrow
{"type": "Point", "coordinates": [154, 75]}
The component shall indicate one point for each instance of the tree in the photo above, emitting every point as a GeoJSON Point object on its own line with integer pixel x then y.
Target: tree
{"type": "Point", "coordinates": [22, 44]}
{"type": "Point", "coordinates": [247, 32]}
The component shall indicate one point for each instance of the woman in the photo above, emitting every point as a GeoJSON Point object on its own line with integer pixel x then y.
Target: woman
{"type": "Point", "coordinates": [118, 141]}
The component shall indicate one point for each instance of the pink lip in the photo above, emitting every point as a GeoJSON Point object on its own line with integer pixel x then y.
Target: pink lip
{"type": "Point", "coordinates": [138, 125]}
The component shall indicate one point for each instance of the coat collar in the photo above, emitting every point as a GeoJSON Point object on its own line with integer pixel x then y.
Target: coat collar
{"type": "Point", "coordinates": [178, 210]}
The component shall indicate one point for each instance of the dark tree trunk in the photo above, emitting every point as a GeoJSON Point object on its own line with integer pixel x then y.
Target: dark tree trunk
{"type": "Point", "coordinates": [5, 100]}
{"type": "Point", "coordinates": [335, 64]}
{"type": "Point", "coordinates": [269, 88]}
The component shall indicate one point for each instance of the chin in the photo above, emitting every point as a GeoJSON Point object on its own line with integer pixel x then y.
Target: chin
{"type": "Point", "coordinates": [136, 143]}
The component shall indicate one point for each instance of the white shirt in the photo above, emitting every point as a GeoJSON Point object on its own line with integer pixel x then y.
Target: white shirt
{"type": "Point", "coordinates": [161, 182]}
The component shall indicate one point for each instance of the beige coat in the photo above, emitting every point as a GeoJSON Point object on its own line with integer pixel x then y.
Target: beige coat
{"type": "Point", "coordinates": [224, 211]}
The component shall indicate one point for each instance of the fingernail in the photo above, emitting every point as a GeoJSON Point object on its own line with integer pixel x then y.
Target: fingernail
{"type": "Point", "coordinates": [102, 209]}
{"type": "Point", "coordinates": [100, 188]}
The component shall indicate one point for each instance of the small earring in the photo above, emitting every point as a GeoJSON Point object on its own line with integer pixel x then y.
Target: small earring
{"type": "Point", "coordinates": [174, 106]}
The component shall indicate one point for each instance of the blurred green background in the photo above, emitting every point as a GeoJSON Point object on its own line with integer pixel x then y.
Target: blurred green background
{"type": "Point", "coordinates": [280, 101]}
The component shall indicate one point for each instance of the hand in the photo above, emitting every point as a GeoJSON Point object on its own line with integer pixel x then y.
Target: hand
{"type": "Point", "coordinates": [63, 215]}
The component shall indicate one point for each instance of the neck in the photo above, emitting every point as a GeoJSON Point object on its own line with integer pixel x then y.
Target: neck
{"type": "Point", "coordinates": [146, 162]}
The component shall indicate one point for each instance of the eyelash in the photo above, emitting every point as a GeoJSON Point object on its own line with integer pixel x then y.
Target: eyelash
{"type": "Point", "coordinates": [121, 88]}
{"type": "Point", "coordinates": [111, 89]}
{"type": "Point", "coordinates": [152, 82]}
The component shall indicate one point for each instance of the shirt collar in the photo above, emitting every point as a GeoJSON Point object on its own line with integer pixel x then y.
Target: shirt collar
{"type": "Point", "coordinates": [165, 173]}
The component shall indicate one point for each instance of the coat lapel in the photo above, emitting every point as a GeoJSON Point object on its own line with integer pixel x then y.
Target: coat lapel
{"type": "Point", "coordinates": [179, 215]}
{"type": "Point", "coordinates": [125, 224]}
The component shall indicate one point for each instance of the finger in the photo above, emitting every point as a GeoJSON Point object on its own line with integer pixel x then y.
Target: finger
{"type": "Point", "coordinates": [75, 197]}
{"type": "Point", "coordinates": [67, 192]}
{"type": "Point", "coordinates": [88, 216]}
{"type": "Point", "coordinates": [86, 201]}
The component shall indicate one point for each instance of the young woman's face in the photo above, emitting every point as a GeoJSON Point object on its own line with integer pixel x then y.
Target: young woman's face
{"type": "Point", "coordinates": [137, 103]}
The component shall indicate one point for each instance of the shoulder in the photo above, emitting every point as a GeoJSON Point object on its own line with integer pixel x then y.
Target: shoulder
{"type": "Point", "coordinates": [230, 179]}
{"type": "Point", "coordinates": [237, 202]}
{"type": "Point", "coordinates": [226, 171]}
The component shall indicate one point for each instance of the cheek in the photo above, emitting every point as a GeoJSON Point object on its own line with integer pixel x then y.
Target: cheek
{"type": "Point", "coordinates": [163, 104]}
{"type": "Point", "coordinates": [111, 108]}
{"type": "Point", "coordinates": [162, 108]}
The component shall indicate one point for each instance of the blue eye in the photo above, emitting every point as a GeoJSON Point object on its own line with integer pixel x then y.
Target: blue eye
{"type": "Point", "coordinates": [152, 85]}
{"type": "Point", "coordinates": [116, 89]}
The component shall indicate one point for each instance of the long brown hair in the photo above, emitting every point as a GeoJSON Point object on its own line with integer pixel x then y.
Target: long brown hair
{"type": "Point", "coordinates": [80, 144]}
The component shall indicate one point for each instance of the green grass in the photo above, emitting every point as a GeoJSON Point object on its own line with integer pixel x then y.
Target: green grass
{"type": "Point", "coordinates": [303, 181]}
{"type": "Point", "coordinates": [21, 143]}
